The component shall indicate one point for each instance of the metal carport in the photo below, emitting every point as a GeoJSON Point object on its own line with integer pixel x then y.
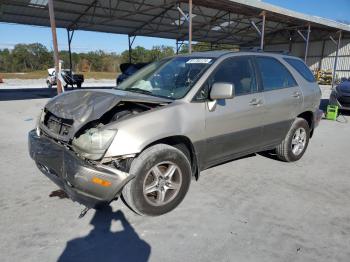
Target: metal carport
{"type": "Point", "coordinates": [241, 22]}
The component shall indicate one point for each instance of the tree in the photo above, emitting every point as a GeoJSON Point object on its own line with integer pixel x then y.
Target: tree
{"type": "Point", "coordinates": [141, 55]}
{"type": "Point", "coordinates": [5, 60]}
{"type": "Point", "coordinates": [30, 57]}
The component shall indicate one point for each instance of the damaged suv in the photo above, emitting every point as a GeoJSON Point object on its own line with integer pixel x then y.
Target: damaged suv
{"type": "Point", "coordinates": [146, 139]}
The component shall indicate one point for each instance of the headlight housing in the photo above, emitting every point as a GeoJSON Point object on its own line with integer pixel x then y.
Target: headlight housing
{"type": "Point", "coordinates": [94, 142]}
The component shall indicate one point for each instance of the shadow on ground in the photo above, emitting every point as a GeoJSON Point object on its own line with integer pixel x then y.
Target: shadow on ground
{"type": "Point", "coordinates": [271, 154]}
{"type": "Point", "coordinates": [101, 244]}
{"type": "Point", "coordinates": [33, 93]}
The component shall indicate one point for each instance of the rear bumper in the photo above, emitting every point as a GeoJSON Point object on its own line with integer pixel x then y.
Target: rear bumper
{"type": "Point", "coordinates": [317, 118]}
{"type": "Point", "coordinates": [74, 175]}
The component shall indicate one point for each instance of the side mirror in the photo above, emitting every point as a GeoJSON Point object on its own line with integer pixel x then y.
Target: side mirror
{"type": "Point", "coordinates": [222, 91]}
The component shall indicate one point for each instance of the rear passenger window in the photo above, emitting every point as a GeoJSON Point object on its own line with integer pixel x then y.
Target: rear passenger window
{"type": "Point", "coordinates": [301, 68]}
{"type": "Point", "coordinates": [274, 74]}
{"type": "Point", "coordinates": [238, 71]}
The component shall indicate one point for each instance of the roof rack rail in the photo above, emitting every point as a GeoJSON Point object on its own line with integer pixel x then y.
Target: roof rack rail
{"type": "Point", "coordinates": [258, 49]}
{"type": "Point", "coordinates": [284, 52]}
{"type": "Point", "coordinates": [251, 49]}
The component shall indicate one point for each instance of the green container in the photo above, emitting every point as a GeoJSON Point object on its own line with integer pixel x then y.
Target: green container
{"type": "Point", "coordinates": [332, 112]}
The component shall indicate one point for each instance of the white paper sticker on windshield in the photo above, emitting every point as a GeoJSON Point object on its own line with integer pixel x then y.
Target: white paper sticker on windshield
{"type": "Point", "coordinates": [199, 61]}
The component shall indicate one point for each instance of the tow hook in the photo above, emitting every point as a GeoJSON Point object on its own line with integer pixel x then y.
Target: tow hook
{"type": "Point", "coordinates": [83, 212]}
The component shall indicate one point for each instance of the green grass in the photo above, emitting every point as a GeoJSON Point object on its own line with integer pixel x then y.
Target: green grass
{"type": "Point", "coordinates": [43, 74]}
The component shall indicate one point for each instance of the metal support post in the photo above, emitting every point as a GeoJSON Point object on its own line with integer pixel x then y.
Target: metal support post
{"type": "Point", "coordinates": [322, 55]}
{"type": "Point", "coordinates": [188, 18]}
{"type": "Point", "coordinates": [179, 44]}
{"type": "Point", "coordinates": [70, 34]}
{"type": "Point", "coordinates": [131, 40]}
{"type": "Point", "coordinates": [129, 49]}
{"type": "Point", "coordinates": [55, 45]}
{"type": "Point", "coordinates": [306, 39]}
{"type": "Point", "coordinates": [262, 30]}
{"type": "Point", "coordinates": [290, 45]}
{"type": "Point", "coordinates": [307, 42]}
{"type": "Point", "coordinates": [336, 56]}
{"type": "Point", "coordinates": [190, 26]}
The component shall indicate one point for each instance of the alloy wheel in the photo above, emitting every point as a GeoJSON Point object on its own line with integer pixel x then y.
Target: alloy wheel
{"type": "Point", "coordinates": [162, 183]}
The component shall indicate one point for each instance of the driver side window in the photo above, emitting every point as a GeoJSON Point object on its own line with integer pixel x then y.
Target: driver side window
{"type": "Point", "coordinates": [236, 70]}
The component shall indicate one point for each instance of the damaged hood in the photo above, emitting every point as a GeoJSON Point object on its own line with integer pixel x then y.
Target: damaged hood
{"type": "Point", "coordinates": [84, 106]}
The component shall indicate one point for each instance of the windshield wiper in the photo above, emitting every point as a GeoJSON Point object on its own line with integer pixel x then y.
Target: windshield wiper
{"type": "Point", "coordinates": [138, 90]}
{"type": "Point", "coordinates": [142, 91]}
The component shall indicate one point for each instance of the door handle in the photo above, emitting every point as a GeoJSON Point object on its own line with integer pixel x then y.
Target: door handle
{"type": "Point", "coordinates": [255, 102]}
{"type": "Point", "coordinates": [296, 94]}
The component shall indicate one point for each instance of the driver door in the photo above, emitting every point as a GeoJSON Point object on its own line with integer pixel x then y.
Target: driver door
{"type": "Point", "coordinates": [234, 126]}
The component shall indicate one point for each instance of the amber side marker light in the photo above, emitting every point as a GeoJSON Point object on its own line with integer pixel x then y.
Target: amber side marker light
{"type": "Point", "coordinates": [100, 181]}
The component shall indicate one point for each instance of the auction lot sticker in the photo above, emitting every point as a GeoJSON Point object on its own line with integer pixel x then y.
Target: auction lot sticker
{"type": "Point", "coordinates": [199, 61]}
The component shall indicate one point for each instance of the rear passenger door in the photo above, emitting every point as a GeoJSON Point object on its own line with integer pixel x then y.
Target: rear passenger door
{"type": "Point", "coordinates": [283, 98]}
{"type": "Point", "coordinates": [234, 126]}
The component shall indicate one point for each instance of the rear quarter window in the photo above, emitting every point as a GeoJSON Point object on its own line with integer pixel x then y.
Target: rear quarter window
{"type": "Point", "coordinates": [274, 74]}
{"type": "Point", "coordinates": [301, 68]}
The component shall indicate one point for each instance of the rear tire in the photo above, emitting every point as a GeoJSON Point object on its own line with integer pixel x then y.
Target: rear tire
{"type": "Point", "coordinates": [162, 179]}
{"type": "Point", "coordinates": [294, 145]}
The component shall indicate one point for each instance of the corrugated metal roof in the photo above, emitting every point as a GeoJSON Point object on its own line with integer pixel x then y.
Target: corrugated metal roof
{"type": "Point", "coordinates": [216, 21]}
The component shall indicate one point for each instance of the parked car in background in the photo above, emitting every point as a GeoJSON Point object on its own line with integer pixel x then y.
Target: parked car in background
{"type": "Point", "coordinates": [128, 69]}
{"type": "Point", "coordinates": [340, 95]}
{"type": "Point", "coordinates": [69, 77]}
{"type": "Point", "coordinates": [147, 138]}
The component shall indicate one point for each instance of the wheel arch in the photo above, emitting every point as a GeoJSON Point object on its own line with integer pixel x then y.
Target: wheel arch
{"type": "Point", "coordinates": [309, 118]}
{"type": "Point", "coordinates": [185, 145]}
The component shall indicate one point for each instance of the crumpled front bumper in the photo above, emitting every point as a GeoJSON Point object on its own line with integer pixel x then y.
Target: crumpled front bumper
{"type": "Point", "coordinates": [74, 175]}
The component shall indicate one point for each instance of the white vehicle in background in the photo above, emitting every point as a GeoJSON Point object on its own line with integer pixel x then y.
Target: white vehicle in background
{"type": "Point", "coordinates": [68, 76]}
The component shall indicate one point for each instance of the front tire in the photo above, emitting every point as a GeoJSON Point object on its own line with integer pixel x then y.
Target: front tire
{"type": "Point", "coordinates": [162, 179]}
{"type": "Point", "coordinates": [294, 145]}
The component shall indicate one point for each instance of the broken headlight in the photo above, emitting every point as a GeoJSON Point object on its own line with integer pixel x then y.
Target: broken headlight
{"type": "Point", "coordinates": [93, 143]}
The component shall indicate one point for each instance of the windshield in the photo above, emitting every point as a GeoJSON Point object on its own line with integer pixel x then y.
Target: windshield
{"type": "Point", "coordinates": [171, 78]}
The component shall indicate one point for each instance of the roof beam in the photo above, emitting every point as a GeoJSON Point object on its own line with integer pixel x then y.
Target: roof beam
{"type": "Point", "coordinates": [75, 22]}
{"type": "Point", "coordinates": [154, 18]}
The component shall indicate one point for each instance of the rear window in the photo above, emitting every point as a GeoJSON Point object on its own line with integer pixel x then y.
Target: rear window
{"type": "Point", "coordinates": [301, 68]}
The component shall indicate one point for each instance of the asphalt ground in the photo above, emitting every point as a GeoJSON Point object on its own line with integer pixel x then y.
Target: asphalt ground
{"type": "Point", "coordinates": [252, 209]}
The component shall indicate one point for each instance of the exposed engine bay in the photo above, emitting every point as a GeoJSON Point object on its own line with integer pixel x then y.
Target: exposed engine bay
{"type": "Point", "coordinates": [84, 141]}
{"type": "Point", "coordinates": [84, 127]}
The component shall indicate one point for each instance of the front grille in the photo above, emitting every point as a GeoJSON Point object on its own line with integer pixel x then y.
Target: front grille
{"type": "Point", "coordinates": [57, 125]}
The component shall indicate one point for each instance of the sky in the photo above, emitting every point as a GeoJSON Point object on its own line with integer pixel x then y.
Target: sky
{"type": "Point", "coordinates": [11, 34]}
